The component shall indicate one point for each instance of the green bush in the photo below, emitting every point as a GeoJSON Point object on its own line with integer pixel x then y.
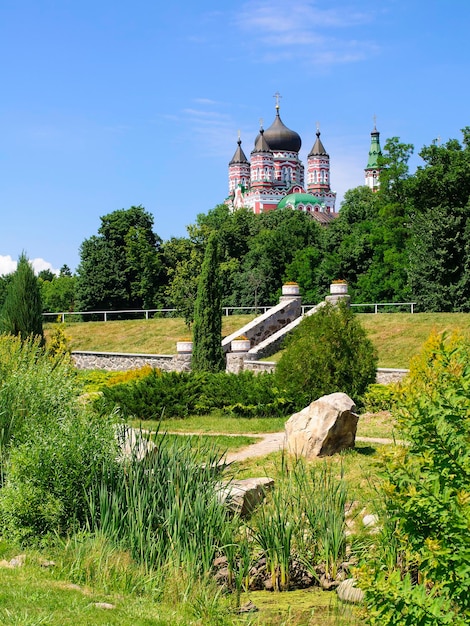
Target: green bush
{"type": "Point", "coordinates": [34, 389]}
{"type": "Point", "coordinates": [380, 397]}
{"type": "Point", "coordinates": [177, 394]}
{"type": "Point", "coordinates": [51, 447]}
{"type": "Point", "coordinates": [328, 352]}
{"type": "Point", "coordinates": [49, 476]}
{"type": "Point", "coordinates": [420, 573]}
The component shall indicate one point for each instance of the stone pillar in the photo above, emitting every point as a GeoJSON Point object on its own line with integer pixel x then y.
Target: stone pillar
{"type": "Point", "coordinates": [184, 353]}
{"type": "Point", "coordinates": [339, 293]}
{"type": "Point", "coordinates": [290, 291]}
{"type": "Point", "coordinates": [235, 362]}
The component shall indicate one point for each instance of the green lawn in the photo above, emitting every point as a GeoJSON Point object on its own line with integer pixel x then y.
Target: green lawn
{"type": "Point", "coordinates": [397, 336]}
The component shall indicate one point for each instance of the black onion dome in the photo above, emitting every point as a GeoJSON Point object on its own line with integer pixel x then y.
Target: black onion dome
{"type": "Point", "coordinates": [280, 138]}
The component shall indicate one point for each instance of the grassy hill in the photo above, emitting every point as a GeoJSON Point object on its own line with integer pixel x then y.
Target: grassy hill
{"type": "Point", "coordinates": [397, 336]}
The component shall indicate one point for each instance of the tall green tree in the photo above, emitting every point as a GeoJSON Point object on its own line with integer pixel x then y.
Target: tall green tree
{"type": "Point", "coordinates": [207, 331]}
{"type": "Point", "coordinates": [58, 294]}
{"type": "Point", "coordinates": [21, 313]}
{"type": "Point", "coordinates": [439, 254]}
{"type": "Point", "coordinates": [182, 259]}
{"type": "Point", "coordinates": [120, 268]}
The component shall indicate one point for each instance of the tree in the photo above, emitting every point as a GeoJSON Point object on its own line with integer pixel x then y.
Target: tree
{"type": "Point", "coordinates": [439, 251]}
{"type": "Point", "coordinates": [328, 352]}
{"type": "Point", "coordinates": [22, 309]}
{"type": "Point", "coordinates": [207, 332]}
{"type": "Point", "coordinates": [120, 268]}
{"type": "Point", "coordinates": [182, 260]}
{"type": "Point", "coordinates": [58, 294]}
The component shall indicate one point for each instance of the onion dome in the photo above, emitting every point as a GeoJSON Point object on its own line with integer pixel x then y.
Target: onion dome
{"type": "Point", "coordinates": [280, 138]}
{"type": "Point", "coordinates": [318, 148]}
{"type": "Point", "coordinates": [239, 156]}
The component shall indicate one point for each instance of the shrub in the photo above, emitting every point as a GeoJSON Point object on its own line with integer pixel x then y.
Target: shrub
{"type": "Point", "coordinates": [328, 352]}
{"type": "Point", "coordinates": [51, 448]}
{"type": "Point", "coordinates": [380, 397]}
{"type": "Point", "coordinates": [48, 476]}
{"type": "Point", "coordinates": [425, 579]}
{"type": "Point", "coordinates": [177, 394]}
{"type": "Point", "coordinates": [34, 389]}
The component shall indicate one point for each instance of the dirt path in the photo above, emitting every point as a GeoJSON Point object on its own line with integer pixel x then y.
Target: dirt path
{"type": "Point", "coordinates": [273, 442]}
{"type": "Point", "coordinates": [270, 442]}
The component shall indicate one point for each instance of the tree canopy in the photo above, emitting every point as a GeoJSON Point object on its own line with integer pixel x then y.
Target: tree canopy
{"type": "Point", "coordinates": [120, 267]}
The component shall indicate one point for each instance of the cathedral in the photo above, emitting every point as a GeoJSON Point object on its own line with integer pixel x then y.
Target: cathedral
{"type": "Point", "coordinates": [274, 177]}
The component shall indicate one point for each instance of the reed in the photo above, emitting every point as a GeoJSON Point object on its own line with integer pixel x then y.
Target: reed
{"type": "Point", "coordinates": [164, 509]}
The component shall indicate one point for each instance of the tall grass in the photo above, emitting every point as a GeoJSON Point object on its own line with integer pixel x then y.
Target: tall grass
{"type": "Point", "coordinates": [321, 502]}
{"type": "Point", "coordinates": [165, 509]}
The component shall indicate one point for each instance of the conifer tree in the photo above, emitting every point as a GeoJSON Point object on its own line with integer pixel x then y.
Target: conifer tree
{"type": "Point", "coordinates": [21, 313]}
{"type": "Point", "coordinates": [207, 330]}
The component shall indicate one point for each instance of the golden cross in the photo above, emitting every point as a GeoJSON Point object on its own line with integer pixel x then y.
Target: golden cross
{"type": "Point", "coordinates": [277, 95]}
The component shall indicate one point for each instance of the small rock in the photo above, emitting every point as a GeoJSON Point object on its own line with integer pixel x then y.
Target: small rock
{"type": "Point", "coordinates": [220, 561]}
{"type": "Point", "coordinates": [248, 607]}
{"type": "Point", "coordinates": [370, 520]}
{"type": "Point", "coordinates": [243, 496]}
{"type": "Point", "coordinates": [104, 605]}
{"type": "Point", "coordinates": [222, 575]}
{"type": "Point", "coordinates": [46, 563]}
{"type": "Point", "coordinates": [16, 561]}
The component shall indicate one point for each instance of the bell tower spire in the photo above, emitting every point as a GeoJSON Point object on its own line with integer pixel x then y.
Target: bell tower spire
{"type": "Point", "coordinates": [372, 169]}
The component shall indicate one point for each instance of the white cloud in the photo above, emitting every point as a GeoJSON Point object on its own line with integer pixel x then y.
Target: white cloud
{"type": "Point", "coordinates": [40, 264]}
{"type": "Point", "coordinates": [8, 265]}
{"type": "Point", "coordinates": [301, 29]}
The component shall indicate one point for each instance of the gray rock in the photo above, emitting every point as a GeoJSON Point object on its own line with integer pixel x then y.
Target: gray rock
{"type": "Point", "coordinates": [242, 496]}
{"type": "Point", "coordinates": [133, 444]}
{"type": "Point", "coordinates": [328, 425]}
{"type": "Point", "coordinates": [348, 592]}
{"type": "Point", "coordinates": [370, 520]}
{"type": "Point", "coordinates": [16, 561]}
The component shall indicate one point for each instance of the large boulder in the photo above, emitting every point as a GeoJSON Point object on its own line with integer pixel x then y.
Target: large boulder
{"type": "Point", "coordinates": [328, 425]}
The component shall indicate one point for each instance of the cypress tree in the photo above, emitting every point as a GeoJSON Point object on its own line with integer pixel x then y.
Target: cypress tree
{"type": "Point", "coordinates": [22, 309]}
{"type": "Point", "coordinates": [207, 330]}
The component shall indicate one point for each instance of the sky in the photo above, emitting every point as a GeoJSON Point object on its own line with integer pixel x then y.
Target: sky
{"type": "Point", "coordinates": [109, 104]}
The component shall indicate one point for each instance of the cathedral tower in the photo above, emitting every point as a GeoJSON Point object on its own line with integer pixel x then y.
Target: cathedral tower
{"type": "Point", "coordinates": [372, 169]}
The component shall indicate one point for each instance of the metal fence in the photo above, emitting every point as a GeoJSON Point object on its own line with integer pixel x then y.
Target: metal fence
{"type": "Point", "coordinates": [106, 316]}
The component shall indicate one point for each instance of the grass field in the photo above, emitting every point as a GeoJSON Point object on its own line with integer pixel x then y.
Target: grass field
{"type": "Point", "coordinates": [397, 336]}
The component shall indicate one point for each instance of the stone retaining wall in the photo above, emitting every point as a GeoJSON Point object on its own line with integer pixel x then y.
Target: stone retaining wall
{"type": "Point", "coordinates": [116, 361]}
{"type": "Point", "coordinates": [236, 362]}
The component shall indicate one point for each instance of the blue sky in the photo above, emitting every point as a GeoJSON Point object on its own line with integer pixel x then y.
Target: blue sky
{"type": "Point", "coordinates": [107, 104]}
